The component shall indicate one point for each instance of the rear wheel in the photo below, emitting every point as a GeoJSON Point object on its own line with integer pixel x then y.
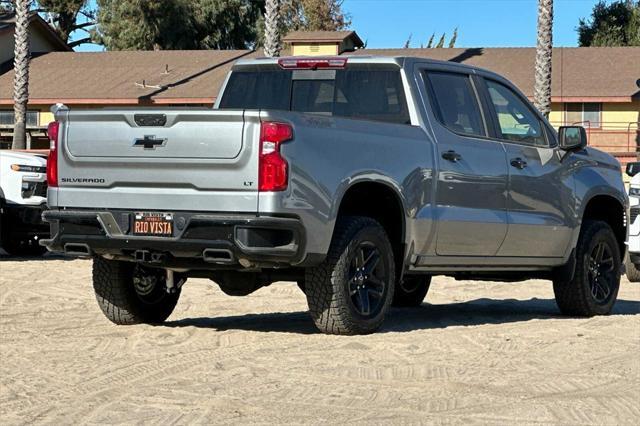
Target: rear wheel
{"type": "Point", "coordinates": [633, 274]}
{"type": "Point", "coordinates": [411, 291]}
{"type": "Point", "coordinates": [594, 287]}
{"type": "Point", "coordinates": [131, 294]}
{"type": "Point", "coordinates": [351, 291]}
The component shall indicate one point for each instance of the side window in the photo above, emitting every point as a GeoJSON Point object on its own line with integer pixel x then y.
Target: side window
{"type": "Point", "coordinates": [517, 121]}
{"type": "Point", "coordinates": [455, 103]}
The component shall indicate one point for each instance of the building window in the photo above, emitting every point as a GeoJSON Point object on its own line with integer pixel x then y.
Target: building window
{"type": "Point", "coordinates": [6, 118]}
{"type": "Point", "coordinates": [585, 114]}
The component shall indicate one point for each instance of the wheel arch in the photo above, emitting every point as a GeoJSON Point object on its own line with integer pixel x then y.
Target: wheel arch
{"type": "Point", "coordinates": [609, 209]}
{"type": "Point", "coordinates": [386, 206]}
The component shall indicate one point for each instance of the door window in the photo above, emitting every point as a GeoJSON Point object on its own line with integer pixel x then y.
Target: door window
{"type": "Point", "coordinates": [518, 123]}
{"type": "Point", "coordinates": [455, 103]}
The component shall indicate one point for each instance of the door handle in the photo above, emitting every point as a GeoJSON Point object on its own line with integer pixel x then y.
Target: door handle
{"type": "Point", "coordinates": [452, 156]}
{"type": "Point", "coordinates": [518, 163]}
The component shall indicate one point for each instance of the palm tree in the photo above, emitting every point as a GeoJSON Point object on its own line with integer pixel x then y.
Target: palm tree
{"type": "Point", "coordinates": [272, 43]}
{"type": "Point", "coordinates": [21, 71]}
{"type": "Point", "coordinates": [542, 89]}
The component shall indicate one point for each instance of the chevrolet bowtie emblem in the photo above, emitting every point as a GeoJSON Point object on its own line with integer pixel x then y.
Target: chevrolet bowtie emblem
{"type": "Point", "coordinates": [149, 142]}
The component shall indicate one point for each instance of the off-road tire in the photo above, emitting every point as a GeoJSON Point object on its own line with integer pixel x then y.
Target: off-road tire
{"type": "Point", "coordinates": [327, 285]}
{"type": "Point", "coordinates": [633, 273]}
{"type": "Point", "coordinates": [574, 297]}
{"type": "Point", "coordinates": [118, 299]}
{"type": "Point", "coordinates": [412, 291]}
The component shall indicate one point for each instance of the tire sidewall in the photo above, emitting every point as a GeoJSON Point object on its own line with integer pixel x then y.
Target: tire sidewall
{"type": "Point", "coordinates": [633, 274]}
{"type": "Point", "coordinates": [114, 289]}
{"type": "Point", "coordinates": [604, 234]}
{"type": "Point", "coordinates": [340, 278]}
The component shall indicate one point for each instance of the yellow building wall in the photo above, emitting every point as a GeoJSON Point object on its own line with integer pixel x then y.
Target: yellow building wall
{"type": "Point", "coordinates": [557, 114]}
{"type": "Point", "coordinates": [615, 115]}
{"type": "Point", "coordinates": [46, 117]}
{"type": "Point", "coordinates": [315, 49]}
{"type": "Point", "coordinates": [621, 113]}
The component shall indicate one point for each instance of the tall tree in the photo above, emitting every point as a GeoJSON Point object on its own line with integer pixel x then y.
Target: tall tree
{"type": "Point", "coordinates": [272, 41]}
{"type": "Point", "coordinates": [325, 15]}
{"type": "Point", "coordinates": [67, 16]}
{"type": "Point", "coordinates": [615, 24]}
{"type": "Point", "coordinates": [64, 16]}
{"type": "Point", "coordinates": [454, 37]}
{"type": "Point", "coordinates": [177, 24]}
{"type": "Point", "coordinates": [430, 43]}
{"type": "Point", "coordinates": [21, 73]}
{"type": "Point", "coordinates": [441, 41]}
{"type": "Point", "coordinates": [307, 15]}
{"type": "Point", "coordinates": [407, 44]}
{"type": "Point", "coordinates": [544, 49]}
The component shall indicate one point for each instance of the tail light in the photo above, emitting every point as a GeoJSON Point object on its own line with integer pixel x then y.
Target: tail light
{"type": "Point", "coordinates": [272, 167]}
{"type": "Point", "coordinates": [52, 160]}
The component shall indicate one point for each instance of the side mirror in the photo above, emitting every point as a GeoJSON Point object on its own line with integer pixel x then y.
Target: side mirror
{"type": "Point", "coordinates": [633, 169]}
{"type": "Point", "coordinates": [572, 137]}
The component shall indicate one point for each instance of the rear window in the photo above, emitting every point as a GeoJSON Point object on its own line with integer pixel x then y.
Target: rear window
{"type": "Point", "coordinates": [360, 91]}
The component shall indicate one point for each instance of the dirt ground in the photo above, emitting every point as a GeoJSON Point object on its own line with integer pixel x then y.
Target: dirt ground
{"type": "Point", "coordinates": [476, 353]}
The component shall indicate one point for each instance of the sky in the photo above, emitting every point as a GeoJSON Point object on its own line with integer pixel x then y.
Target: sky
{"type": "Point", "coordinates": [480, 23]}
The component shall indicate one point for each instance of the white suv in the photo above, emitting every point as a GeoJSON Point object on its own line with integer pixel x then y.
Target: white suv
{"type": "Point", "coordinates": [23, 192]}
{"type": "Point", "coordinates": [633, 259]}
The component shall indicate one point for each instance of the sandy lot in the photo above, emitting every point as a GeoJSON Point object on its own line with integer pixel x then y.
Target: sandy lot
{"type": "Point", "coordinates": [476, 353]}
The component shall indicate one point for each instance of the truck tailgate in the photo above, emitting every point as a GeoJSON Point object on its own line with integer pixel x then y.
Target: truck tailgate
{"type": "Point", "coordinates": [158, 159]}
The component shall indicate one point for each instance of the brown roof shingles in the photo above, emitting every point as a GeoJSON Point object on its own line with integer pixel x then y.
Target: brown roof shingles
{"type": "Point", "coordinates": [578, 72]}
{"type": "Point", "coordinates": [126, 76]}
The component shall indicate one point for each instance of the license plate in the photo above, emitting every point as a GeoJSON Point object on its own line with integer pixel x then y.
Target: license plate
{"type": "Point", "coordinates": [153, 224]}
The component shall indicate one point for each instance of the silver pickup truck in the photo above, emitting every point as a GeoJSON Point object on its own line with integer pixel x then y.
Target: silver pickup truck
{"type": "Point", "coordinates": [358, 177]}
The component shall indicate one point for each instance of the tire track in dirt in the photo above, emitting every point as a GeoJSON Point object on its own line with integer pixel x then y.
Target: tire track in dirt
{"type": "Point", "coordinates": [255, 359]}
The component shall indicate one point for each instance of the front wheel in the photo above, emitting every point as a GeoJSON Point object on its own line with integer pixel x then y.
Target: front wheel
{"type": "Point", "coordinates": [594, 287]}
{"type": "Point", "coordinates": [131, 294]}
{"type": "Point", "coordinates": [351, 291]}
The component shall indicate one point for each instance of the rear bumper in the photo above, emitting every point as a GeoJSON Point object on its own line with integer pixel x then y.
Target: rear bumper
{"type": "Point", "coordinates": [201, 241]}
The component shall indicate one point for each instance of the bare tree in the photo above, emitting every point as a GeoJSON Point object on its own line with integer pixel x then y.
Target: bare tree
{"type": "Point", "coordinates": [544, 44]}
{"type": "Point", "coordinates": [21, 73]}
{"type": "Point", "coordinates": [272, 41]}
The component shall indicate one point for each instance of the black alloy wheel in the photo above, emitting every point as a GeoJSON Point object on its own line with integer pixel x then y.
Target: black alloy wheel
{"type": "Point", "coordinates": [367, 280]}
{"type": "Point", "coordinates": [601, 272]}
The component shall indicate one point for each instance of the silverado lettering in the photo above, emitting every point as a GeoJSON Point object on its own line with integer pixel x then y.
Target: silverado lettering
{"type": "Point", "coordinates": [82, 180]}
